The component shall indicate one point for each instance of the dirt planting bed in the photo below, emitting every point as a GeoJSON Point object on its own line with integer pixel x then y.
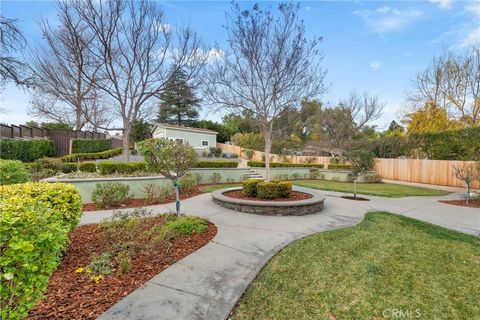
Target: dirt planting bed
{"type": "Point", "coordinates": [463, 203]}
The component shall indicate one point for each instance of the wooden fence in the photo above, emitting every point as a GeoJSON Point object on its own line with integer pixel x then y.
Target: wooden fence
{"type": "Point", "coordinates": [437, 172]}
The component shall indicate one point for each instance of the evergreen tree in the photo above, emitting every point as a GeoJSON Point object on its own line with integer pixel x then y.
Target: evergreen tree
{"type": "Point", "coordinates": [179, 105]}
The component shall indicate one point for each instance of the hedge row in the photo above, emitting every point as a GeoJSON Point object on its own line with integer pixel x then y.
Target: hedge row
{"type": "Point", "coordinates": [34, 225]}
{"type": "Point", "coordinates": [92, 156]}
{"type": "Point", "coordinates": [216, 164]}
{"type": "Point", "coordinates": [339, 166]}
{"type": "Point", "coordinates": [111, 167]}
{"type": "Point", "coordinates": [90, 145]}
{"type": "Point", "coordinates": [284, 164]}
{"type": "Point", "coordinates": [267, 189]}
{"type": "Point", "coordinates": [26, 150]}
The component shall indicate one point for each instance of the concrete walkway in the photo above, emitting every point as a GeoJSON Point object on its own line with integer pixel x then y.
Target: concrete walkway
{"type": "Point", "coordinates": [208, 283]}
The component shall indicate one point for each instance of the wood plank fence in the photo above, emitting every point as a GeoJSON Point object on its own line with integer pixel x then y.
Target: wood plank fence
{"type": "Point", "coordinates": [437, 172]}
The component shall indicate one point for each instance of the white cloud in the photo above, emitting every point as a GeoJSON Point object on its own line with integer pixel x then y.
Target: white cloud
{"type": "Point", "coordinates": [473, 8]}
{"type": "Point", "coordinates": [164, 27]}
{"type": "Point", "coordinates": [443, 4]}
{"type": "Point", "coordinates": [386, 19]}
{"type": "Point", "coordinates": [214, 54]}
{"type": "Point", "coordinates": [472, 38]}
{"type": "Point", "coordinates": [374, 65]}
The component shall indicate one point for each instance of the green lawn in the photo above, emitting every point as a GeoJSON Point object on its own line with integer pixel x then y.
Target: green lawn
{"type": "Point", "coordinates": [374, 189]}
{"type": "Point", "coordinates": [213, 187]}
{"type": "Point", "coordinates": [385, 263]}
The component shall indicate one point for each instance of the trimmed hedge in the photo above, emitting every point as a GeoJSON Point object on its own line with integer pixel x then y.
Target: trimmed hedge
{"type": "Point", "coordinates": [111, 167]}
{"type": "Point", "coordinates": [13, 171]}
{"type": "Point", "coordinates": [90, 145]}
{"type": "Point", "coordinates": [274, 189]}
{"type": "Point", "coordinates": [34, 225]}
{"type": "Point", "coordinates": [339, 167]}
{"type": "Point", "coordinates": [92, 156]}
{"type": "Point", "coordinates": [26, 150]}
{"type": "Point", "coordinates": [261, 164]}
{"type": "Point", "coordinates": [250, 187]}
{"type": "Point", "coordinates": [216, 164]}
{"type": "Point", "coordinates": [88, 167]}
{"type": "Point", "coordinates": [68, 167]}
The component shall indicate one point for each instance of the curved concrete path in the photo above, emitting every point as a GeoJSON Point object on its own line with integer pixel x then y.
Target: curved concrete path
{"type": "Point", "coordinates": [208, 283]}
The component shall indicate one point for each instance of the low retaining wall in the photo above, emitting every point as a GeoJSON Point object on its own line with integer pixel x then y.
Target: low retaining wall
{"type": "Point", "coordinates": [304, 173]}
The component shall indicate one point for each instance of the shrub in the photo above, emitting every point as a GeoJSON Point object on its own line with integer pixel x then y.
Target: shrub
{"type": "Point", "coordinates": [26, 150]}
{"type": "Point", "coordinates": [92, 156]}
{"type": "Point", "coordinates": [249, 153]}
{"type": "Point", "coordinates": [339, 167]}
{"type": "Point", "coordinates": [250, 187]}
{"type": "Point", "coordinates": [13, 171]}
{"type": "Point", "coordinates": [112, 167]}
{"type": "Point", "coordinates": [152, 192]}
{"type": "Point", "coordinates": [215, 177]}
{"type": "Point", "coordinates": [217, 152]}
{"type": "Point", "coordinates": [186, 225]}
{"type": "Point", "coordinates": [110, 194]}
{"type": "Point", "coordinates": [373, 179]}
{"type": "Point", "coordinates": [188, 183]}
{"type": "Point", "coordinates": [46, 164]}
{"type": "Point", "coordinates": [101, 264]}
{"type": "Point", "coordinates": [88, 167]}
{"type": "Point", "coordinates": [274, 189]}
{"type": "Point", "coordinates": [90, 145]}
{"type": "Point", "coordinates": [34, 226]}
{"type": "Point", "coordinates": [216, 164]}
{"type": "Point", "coordinates": [68, 167]}
{"type": "Point", "coordinates": [261, 164]}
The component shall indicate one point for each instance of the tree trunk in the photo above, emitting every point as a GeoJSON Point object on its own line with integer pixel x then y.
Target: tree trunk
{"type": "Point", "coordinates": [355, 189]}
{"type": "Point", "coordinates": [177, 198]}
{"type": "Point", "coordinates": [126, 143]}
{"type": "Point", "coordinates": [268, 147]}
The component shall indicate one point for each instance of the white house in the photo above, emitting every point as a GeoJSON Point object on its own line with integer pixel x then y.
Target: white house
{"type": "Point", "coordinates": [196, 137]}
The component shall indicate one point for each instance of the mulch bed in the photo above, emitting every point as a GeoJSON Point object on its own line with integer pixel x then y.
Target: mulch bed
{"type": "Point", "coordinates": [72, 295]}
{"type": "Point", "coordinates": [353, 198]}
{"type": "Point", "coordinates": [463, 203]}
{"type": "Point", "coordinates": [294, 196]}
{"type": "Point", "coordinates": [137, 203]}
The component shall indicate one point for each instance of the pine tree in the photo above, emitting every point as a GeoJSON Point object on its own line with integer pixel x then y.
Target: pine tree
{"type": "Point", "coordinates": [179, 105]}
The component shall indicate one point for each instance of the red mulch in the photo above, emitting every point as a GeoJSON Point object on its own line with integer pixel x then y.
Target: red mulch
{"type": "Point", "coordinates": [463, 203]}
{"type": "Point", "coordinates": [353, 198]}
{"type": "Point", "coordinates": [294, 196]}
{"type": "Point", "coordinates": [137, 203]}
{"type": "Point", "coordinates": [72, 295]}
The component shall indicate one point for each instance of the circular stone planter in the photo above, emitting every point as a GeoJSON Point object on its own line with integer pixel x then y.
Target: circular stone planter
{"type": "Point", "coordinates": [272, 208]}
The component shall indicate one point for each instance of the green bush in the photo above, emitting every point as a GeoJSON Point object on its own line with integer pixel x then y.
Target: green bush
{"type": "Point", "coordinates": [13, 171]}
{"type": "Point", "coordinates": [110, 194]}
{"type": "Point", "coordinates": [217, 152]}
{"type": "Point", "coordinates": [112, 167]}
{"type": "Point", "coordinates": [26, 150]}
{"type": "Point", "coordinates": [186, 225]}
{"type": "Point", "coordinates": [92, 156]}
{"type": "Point", "coordinates": [90, 145]}
{"type": "Point", "coordinates": [261, 164]}
{"type": "Point", "coordinates": [68, 167]}
{"type": "Point", "coordinates": [339, 167]}
{"type": "Point", "coordinates": [274, 189]}
{"type": "Point", "coordinates": [46, 164]}
{"type": "Point", "coordinates": [88, 167]}
{"type": "Point", "coordinates": [250, 187]}
{"type": "Point", "coordinates": [216, 164]}
{"type": "Point", "coordinates": [188, 182]}
{"type": "Point", "coordinates": [34, 226]}
{"type": "Point", "coordinates": [249, 153]}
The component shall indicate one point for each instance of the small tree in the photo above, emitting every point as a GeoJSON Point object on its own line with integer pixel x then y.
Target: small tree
{"type": "Point", "coordinates": [172, 159]}
{"type": "Point", "coordinates": [467, 173]}
{"type": "Point", "coordinates": [361, 161]}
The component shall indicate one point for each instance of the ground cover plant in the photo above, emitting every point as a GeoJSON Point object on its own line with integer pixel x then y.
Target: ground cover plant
{"type": "Point", "coordinates": [385, 263]}
{"type": "Point", "coordinates": [390, 190]}
{"type": "Point", "coordinates": [34, 225]}
{"type": "Point", "coordinates": [106, 261]}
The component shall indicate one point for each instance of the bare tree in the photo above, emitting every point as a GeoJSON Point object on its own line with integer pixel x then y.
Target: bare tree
{"type": "Point", "coordinates": [452, 82]}
{"type": "Point", "coordinates": [467, 173]}
{"type": "Point", "coordinates": [351, 115]}
{"type": "Point", "coordinates": [137, 52]}
{"type": "Point", "coordinates": [11, 41]}
{"type": "Point", "coordinates": [270, 66]}
{"type": "Point", "coordinates": [64, 72]}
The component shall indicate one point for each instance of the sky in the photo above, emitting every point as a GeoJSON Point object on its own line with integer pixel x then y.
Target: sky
{"type": "Point", "coordinates": [369, 46]}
